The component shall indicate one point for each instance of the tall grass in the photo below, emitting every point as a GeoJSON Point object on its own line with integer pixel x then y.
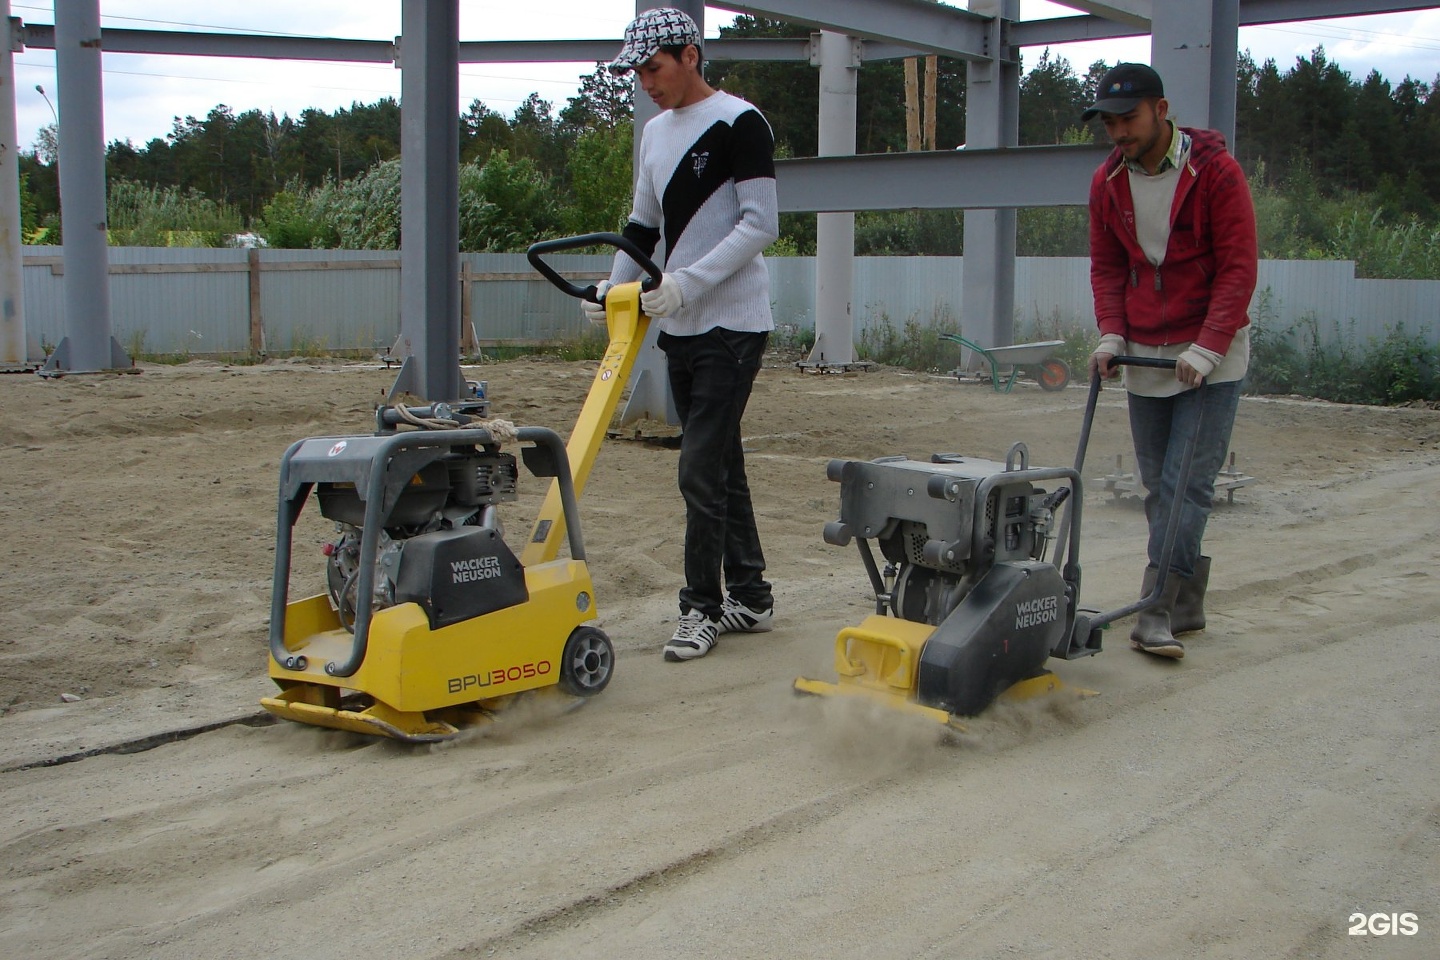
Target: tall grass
{"type": "Point", "coordinates": [1399, 367]}
{"type": "Point", "coordinates": [1296, 221]}
{"type": "Point", "coordinates": [145, 216]}
{"type": "Point", "coordinates": [1310, 357]}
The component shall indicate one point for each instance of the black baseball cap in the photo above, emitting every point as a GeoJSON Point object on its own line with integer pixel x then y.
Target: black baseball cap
{"type": "Point", "coordinates": [1123, 87]}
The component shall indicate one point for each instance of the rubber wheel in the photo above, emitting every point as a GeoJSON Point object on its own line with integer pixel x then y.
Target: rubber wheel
{"type": "Point", "coordinates": [1054, 374]}
{"type": "Point", "coordinates": [587, 662]}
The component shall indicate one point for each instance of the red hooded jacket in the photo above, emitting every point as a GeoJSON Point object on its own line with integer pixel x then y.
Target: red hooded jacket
{"type": "Point", "coordinates": [1202, 289]}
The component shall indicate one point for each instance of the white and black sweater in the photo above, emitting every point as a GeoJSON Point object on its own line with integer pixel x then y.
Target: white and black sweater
{"type": "Point", "coordinates": [707, 180]}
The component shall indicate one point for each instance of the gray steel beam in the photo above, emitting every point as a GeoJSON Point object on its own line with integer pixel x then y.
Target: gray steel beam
{"type": "Point", "coordinates": [539, 51]}
{"type": "Point", "coordinates": [928, 26]}
{"type": "Point", "coordinates": [603, 51]}
{"type": "Point", "coordinates": [1136, 13]}
{"type": "Point", "coordinates": [1043, 33]}
{"type": "Point", "coordinates": [1257, 12]}
{"type": "Point", "coordinates": [879, 46]}
{"type": "Point", "coordinates": [1051, 176]}
{"type": "Point", "coordinates": [182, 43]}
{"type": "Point", "coordinates": [1253, 13]}
{"type": "Point", "coordinates": [759, 48]}
{"type": "Point", "coordinates": [259, 46]}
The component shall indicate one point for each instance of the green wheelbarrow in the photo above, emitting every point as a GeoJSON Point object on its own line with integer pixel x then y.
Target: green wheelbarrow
{"type": "Point", "coordinates": [1007, 363]}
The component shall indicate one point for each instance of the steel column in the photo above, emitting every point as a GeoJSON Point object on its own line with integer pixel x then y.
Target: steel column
{"type": "Point", "coordinates": [429, 201]}
{"type": "Point", "coordinates": [1193, 47]}
{"type": "Point", "coordinates": [838, 58]}
{"type": "Point", "coordinates": [992, 120]}
{"type": "Point", "coordinates": [14, 344]}
{"type": "Point", "coordinates": [88, 345]}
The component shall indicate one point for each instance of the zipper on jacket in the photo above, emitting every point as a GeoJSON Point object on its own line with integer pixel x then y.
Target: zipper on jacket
{"type": "Point", "coordinates": [1134, 277]}
{"type": "Point", "coordinates": [1164, 317]}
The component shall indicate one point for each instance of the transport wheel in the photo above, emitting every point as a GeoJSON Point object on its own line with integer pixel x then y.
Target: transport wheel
{"type": "Point", "coordinates": [1054, 374]}
{"type": "Point", "coordinates": [587, 662]}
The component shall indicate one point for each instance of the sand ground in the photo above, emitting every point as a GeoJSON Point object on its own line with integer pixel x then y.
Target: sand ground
{"type": "Point", "coordinates": [1245, 802]}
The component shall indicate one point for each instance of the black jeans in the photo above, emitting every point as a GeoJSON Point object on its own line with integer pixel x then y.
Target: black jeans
{"type": "Point", "coordinates": [710, 378]}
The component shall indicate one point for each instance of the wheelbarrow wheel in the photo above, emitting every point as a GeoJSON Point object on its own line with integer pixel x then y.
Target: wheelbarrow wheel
{"type": "Point", "coordinates": [1054, 374]}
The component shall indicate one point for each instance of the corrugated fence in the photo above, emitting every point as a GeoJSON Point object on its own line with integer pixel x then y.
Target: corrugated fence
{"type": "Point", "coordinates": [236, 302]}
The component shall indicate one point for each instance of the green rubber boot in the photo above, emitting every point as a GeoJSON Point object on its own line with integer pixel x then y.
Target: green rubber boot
{"type": "Point", "coordinates": [1189, 614]}
{"type": "Point", "coordinates": [1152, 633]}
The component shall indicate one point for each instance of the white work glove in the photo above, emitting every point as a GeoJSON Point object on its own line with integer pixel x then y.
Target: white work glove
{"type": "Point", "coordinates": [1111, 346]}
{"type": "Point", "coordinates": [595, 312]}
{"type": "Point", "coordinates": [665, 300]}
{"type": "Point", "coordinates": [1201, 362]}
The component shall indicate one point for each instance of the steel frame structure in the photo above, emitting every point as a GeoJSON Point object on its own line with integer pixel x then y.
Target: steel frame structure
{"type": "Point", "coordinates": [1193, 45]}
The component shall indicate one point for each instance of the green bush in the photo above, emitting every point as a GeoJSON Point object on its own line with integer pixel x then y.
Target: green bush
{"type": "Point", "coordinates": [1081, 338]}
{"type": "Point", "coordinates": [1296, 359]}
{"type": "Point", "coordinates": [916, 346]}
{"type": "Point", "coordinates": [792, 340]}
{"type": "Point", "coordinates": [298, 218]}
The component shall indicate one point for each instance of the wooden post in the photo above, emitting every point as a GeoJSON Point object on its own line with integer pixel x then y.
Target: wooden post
{"type": "Point", "coordinates": [257, 319]}
{"type": "Point", "coordinates": [468, 346]}
{"type": "Point", "coordinates": [932, 67]}
{"type": "Point", "coordinates": [912, 105]}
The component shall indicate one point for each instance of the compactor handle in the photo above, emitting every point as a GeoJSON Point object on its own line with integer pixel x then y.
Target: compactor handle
{"type": "Point", "coordinates": [1080, 639]}
{"type": "Point", "coordinates": [590, 240]}
{"type": "Point", "coordinates": [1090, 402]}
{"type": "Point", "coordinates": [1157, 362]}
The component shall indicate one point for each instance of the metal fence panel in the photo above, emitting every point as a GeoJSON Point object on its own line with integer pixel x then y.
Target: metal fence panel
{"type": "Point", "coordinates": [504, 308]}
{"type": "Point", "coordinates": [350, 299]}
{"type": "Point", "coordinates": [201, 307]}
{"type": "Point", "coordinates": [906, 290]}
{"type": "Point", "coordinates": [1325, 299]}
{"type": "Point", "coordinates": [44, 296]}
{"type": "Point", "coordinates": [205, 311]}
{"type": "Point", "coordinates": [312, 301]}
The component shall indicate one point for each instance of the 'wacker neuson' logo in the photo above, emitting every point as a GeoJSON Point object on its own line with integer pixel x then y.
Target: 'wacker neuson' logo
{"type": "Point", "coordinates": [475, 568]}
{"type": "Point", "coordinates": [1032, 613]}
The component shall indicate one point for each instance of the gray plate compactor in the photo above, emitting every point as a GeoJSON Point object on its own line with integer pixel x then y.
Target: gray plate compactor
{"type": "Point", "coordinates": [969, 602]}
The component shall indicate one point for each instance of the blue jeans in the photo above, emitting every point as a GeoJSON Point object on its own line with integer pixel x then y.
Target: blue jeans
{"type": "Point", "coordinates": [1161, 427]}
{"type": "Point", "coordinates": [710, 379]}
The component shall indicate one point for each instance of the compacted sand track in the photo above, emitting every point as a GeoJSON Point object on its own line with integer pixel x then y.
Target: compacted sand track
{"type": "Point", "coordinates": [1245, 802]}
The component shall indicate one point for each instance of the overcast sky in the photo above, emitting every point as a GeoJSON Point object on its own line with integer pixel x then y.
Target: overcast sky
{"type": "Point", "coordinates": [144, 94]}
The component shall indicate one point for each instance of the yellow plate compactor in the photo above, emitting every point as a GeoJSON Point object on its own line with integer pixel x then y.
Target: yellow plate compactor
{"type": "Point", "coordinates": [967, 606]}
{"type": "Point", "coordinates": [430, 622]}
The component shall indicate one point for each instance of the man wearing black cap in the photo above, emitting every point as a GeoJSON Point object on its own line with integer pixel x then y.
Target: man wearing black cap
{"type": "Point", "coordinates": [1172, 269]}
{"type": "Point", "coordinates": [706, 183]}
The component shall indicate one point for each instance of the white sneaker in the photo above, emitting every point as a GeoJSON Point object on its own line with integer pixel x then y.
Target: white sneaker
{"type": "Point", "coordinates": [694, 637]}
{"type": "Point", "coordinates": [735, 617]}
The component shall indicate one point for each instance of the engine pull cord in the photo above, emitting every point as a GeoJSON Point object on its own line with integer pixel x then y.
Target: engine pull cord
{"type": "Point", "coordinates": [502, 430]}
